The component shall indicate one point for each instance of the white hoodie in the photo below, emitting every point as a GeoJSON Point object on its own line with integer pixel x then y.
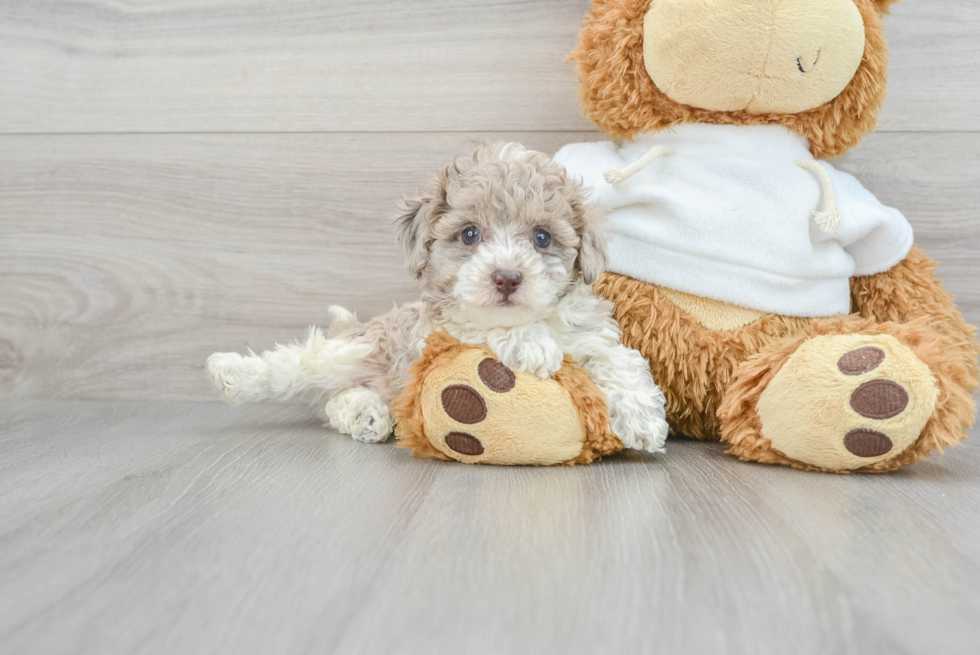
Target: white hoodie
{"type": "Point", "coordinates": [729, 215]}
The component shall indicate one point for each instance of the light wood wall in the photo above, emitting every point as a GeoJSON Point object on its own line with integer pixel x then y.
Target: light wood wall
{"type": "Point", "coordinates": [183, 176]}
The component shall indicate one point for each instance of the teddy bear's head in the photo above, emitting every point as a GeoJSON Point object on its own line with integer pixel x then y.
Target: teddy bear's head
{"type": "Point", "coordinates": [818, 67]}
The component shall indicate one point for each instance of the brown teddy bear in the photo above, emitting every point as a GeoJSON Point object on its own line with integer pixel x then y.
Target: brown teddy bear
{"type": "Point", "coordinates": [782, 308]}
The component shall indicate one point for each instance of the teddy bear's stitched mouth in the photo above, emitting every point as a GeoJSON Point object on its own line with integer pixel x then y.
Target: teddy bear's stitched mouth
{"type": "Point", "coordinates": [799, 63]}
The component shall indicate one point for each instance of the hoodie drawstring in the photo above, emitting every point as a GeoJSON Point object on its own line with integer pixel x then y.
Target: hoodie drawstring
{"type": "Point", "coordinates": [829, 220]}
{"type": "Point", "coordinates": [618, 177]}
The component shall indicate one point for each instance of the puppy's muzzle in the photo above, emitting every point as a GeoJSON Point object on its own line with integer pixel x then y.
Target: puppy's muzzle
{"type": "Point", "coordinates": [507, 282]}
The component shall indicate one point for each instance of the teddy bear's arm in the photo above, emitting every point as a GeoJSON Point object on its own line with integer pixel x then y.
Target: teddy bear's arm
{"type": "Point", "coordinates": [910, 290]}
{"type": "Point", "coordinates": [910, 294]}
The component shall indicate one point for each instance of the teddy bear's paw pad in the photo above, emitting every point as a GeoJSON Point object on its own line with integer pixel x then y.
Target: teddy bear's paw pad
{"type": "Point", "coordinates": [464, 444]}
{"type": "Point", "coordinates": [879, 399]}
{"type": "Point", "coordinates": [496, 376]}
{"type": "Point", "coordinates": [464, 404]}
{"type": "Point", "coordinates": [847, 401]}
{"type": "Point", "coordinates": [860, 361]}
{"type": "Point", "coordinates": [867, 443]}
{"type": "Point", "coordinates": [478, 411]}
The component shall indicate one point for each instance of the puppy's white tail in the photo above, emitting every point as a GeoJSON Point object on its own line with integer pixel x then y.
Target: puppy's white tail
{"type": "Point", "coordinates": [341, 321]}
{"type": "Point", "coordinates": [324, 364]}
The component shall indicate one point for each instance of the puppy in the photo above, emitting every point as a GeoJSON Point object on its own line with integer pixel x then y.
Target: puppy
{"type": "Point", "coordinates": [506, 248]}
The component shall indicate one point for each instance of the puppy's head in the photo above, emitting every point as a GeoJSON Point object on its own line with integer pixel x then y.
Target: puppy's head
{"type": "Point", "coordinates": [498, 237]}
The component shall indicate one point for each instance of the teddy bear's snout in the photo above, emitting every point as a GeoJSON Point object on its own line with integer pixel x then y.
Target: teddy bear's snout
{"type": "Point", "coordinates": [729, 55]}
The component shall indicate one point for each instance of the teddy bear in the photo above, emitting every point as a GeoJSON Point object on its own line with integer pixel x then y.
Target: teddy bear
{"type": "Point", "coordinates": [783, 309]}
{"type": "Point", "coordinates": [461, 403]}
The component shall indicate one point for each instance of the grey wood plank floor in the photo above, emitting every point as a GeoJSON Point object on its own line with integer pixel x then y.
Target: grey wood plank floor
{"type": "Point", "coordinates": [132, 527]}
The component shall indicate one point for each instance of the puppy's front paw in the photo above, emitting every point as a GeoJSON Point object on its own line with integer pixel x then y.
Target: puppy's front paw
{"type": "Point", "coordinates": [638, 418]}
{"type": "Point", "coordinates": [651, 437]}
{"type": "Point", "coordinates": [530, 349]}
{"type": "Point", "coordinates": [360, 413]}
{"type": "Point", "coordinates": [239, 379]}
{"type": "Point", "coordinates": [544, 360]}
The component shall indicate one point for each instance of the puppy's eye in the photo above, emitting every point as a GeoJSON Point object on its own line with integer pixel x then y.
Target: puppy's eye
{"type": "Point", "coordinates": [541, 238]}
{"type": "Point", "coordinates": [471, 235]}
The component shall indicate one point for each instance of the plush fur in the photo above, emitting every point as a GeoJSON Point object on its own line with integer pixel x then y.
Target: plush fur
{"type": "Point", "coordinates": [704, 53]}
{"type": "Point", "coordinates": [714, 314]}
{"type": "Point", "coordinates": [953, 416]}
{"type": "Point", "coordinates": [619, 96]}
{"type": "Point", "coordinates": [693, 364]}
{"type": "Point", "coordinates": [909, 303]}
{"type": "Point", "coordinates": [713, 379]}
{"type": "Point", "coordinates": [504, 197]}
{"type": "Point", "coordinates": [806, 411]}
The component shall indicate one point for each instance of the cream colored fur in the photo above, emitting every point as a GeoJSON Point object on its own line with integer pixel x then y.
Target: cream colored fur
{"type": "Point", "coordinates": [763, 56]}
{"type": "Point", "coordinates": [805, 410]}
{"type": "Point", "coordinates": [712, 314]}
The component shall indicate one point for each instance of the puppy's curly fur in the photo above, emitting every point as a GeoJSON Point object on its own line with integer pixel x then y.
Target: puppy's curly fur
{"type": "Point", "coordinates": [506, 248]}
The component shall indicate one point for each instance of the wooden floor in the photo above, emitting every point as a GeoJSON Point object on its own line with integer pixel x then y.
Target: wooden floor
{"type": "Point", "coordinates": [130, 527]}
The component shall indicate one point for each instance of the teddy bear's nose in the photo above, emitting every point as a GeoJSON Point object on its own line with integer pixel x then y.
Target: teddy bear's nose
{"type": "Point", "coordinates": [507, 281]}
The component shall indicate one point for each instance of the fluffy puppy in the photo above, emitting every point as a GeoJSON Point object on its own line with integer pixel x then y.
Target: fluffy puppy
{"type": "Point", "coordinates": [506, 248]}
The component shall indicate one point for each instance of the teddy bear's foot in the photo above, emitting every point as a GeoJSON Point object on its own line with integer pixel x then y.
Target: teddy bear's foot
{"type": "Point", "coordinates": [464, 404]}
{"type": "Point", "coordinates": [499, 416]}
{"type": "Point", "coordinates": [360, 413]}
{"type": "Point", "coordinates": [843, 402]}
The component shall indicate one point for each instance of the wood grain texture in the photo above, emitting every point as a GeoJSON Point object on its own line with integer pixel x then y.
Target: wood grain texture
{"type": "Point", "coordinates": [374, 65]}
{"type": "Point", "coordinates": [125, 260]}
{"type": "Point", "coordinates": [199, 528]}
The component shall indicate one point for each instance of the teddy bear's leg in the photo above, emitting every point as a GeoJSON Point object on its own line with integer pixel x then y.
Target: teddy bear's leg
{"type": "Point", "coordinates": [853, 396]}
{"type": "Point", "coordinates": [714, 379]}
{"type": "Point", "coordinates": [840, 400]}
{"type": "Point", "coordinates": [693, 364]}
{"type": "Point", "coordinates": [361, 413]}
{"type": "Point", "coordinates": [911, 293]}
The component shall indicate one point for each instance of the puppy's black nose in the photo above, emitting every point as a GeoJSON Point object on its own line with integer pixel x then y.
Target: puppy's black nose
{"type": "Point", "coordinates": [507, 282]}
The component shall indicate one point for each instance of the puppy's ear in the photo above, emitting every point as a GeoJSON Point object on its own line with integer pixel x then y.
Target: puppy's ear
{"type": "Point", "coordinates": [414, 227]}
{"type": "Point", "coordinates": [592, 258]}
